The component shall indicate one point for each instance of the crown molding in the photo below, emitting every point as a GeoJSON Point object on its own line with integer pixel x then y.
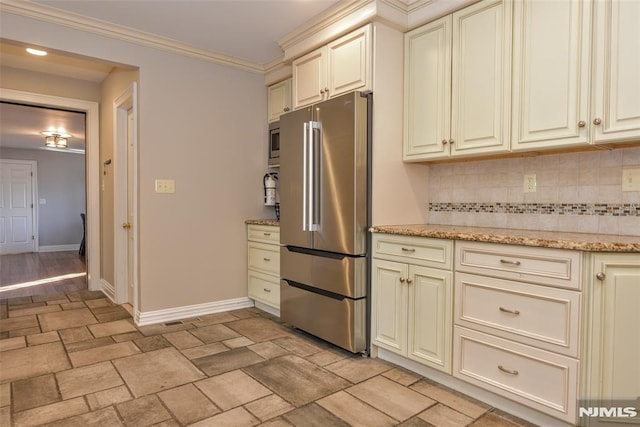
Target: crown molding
{"type": "Point", "coordinates": [95, 26]}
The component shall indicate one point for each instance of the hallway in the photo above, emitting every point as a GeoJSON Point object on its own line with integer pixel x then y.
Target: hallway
{"type": "Point", "coordinates": [41, 273]}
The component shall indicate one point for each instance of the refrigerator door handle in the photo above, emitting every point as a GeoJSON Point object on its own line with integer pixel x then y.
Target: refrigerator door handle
{"type": "Point", "coordinates": [315, 151]}
{"type": "Point", "coordinates": [305, 177]}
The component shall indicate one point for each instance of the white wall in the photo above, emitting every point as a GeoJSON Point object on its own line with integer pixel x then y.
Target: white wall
{"type": "Point", "coordinates": [203, 125]}
{"type": "Point", "coordinates": [61, 183]}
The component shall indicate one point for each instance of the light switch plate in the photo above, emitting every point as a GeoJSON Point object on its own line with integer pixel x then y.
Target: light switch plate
{"type": "Point", "coordinates": [166, 186]}
{"type": "Point", "coordinates": [631, 179]}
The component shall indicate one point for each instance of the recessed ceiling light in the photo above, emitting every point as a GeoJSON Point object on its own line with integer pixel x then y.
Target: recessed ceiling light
{"type": "Point", "coordinates": [36, 52]}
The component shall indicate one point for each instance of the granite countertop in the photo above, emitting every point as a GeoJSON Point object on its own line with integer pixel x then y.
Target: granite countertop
{"type": "Point", "coordinates": [273, 222]}
{"type": "Point", "coordinates": [548, 239]}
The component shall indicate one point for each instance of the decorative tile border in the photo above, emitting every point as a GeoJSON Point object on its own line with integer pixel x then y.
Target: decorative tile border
{"type": "Point", "coordinates": [600, 209]}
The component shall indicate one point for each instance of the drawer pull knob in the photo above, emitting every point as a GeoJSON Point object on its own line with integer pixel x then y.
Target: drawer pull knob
{"type": "Point", "coordinates": [507, 261]}
{"type": "Point", "coordinates": [506, 310]}
{"type": "Point", "coordinates": [267, 259]}
{"type": "Point", "coordinates": [267, 234]}
{"type": "Point", "coordinates": [411, 250]}
{"type": "Point", "coordinates": [402, 280]}
{"type": "Point", "coordinates": [266, 290]}
{"type": "Point", "coordinates": [507, 371]}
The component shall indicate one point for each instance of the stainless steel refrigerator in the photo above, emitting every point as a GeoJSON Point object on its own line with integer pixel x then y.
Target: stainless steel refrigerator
{"type": "Point", "coordinates": [324, 219]}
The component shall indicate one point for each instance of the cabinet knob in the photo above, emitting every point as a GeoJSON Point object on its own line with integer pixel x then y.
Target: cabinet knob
{"type": "Point", "coordinates": [601, 276]}
{"type": "Point", "coordinates": [402, 280]}
{"type": "Point", "coordinates": [326, 89]}
{"type": "Point", "coordinates": [322, 91]}
{"type": "Point", "coordinates": [445, 142]}
{"type": "Point", "coordinates": [409, 281]}
{"type": "Point", "coordinates": [582, 124]}
{"type": "Point", "coordinates": [287, 108]}
{"type": "Point", "coordinates": [597, 121]}
{"type": "Point", "coordinates": [451, 141]}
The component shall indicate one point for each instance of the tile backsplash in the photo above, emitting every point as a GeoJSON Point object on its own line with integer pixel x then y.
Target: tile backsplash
{"type": "Point", "coordinates": [575, 192]}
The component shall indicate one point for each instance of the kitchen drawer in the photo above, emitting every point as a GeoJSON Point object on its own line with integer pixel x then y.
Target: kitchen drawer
{"type": "Point", "coordinates": [263, 233]}
{"type": "Point", "coordinates": [264, 258]}
{"type": "Point", "coordinates": [542, 380]}
{"type": "Point", "coordinates": [264, 288]}
{"type": "Point", "coordinates": [423, 251]}
{"type": "Point", "coordinates": [531, 314]}
{"type": "Point", "coordinates": [546, 266]}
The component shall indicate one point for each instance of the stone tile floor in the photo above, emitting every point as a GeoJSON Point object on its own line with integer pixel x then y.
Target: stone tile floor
{"type": "Point", "coordinates": [76, 359]}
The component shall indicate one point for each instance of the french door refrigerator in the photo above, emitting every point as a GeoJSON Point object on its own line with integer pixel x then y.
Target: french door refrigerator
{"type": "Point", "coordinates": [324, 219]}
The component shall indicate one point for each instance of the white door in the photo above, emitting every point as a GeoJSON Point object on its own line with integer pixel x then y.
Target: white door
{"type": "Point", "coordinates": [309, 76]}
{"type": "Point", "coordinates": [130, 280]}
{"type": "Point", "coordinates": [16, 206]}
{"type": "Point", "coordinates": [388, 305]}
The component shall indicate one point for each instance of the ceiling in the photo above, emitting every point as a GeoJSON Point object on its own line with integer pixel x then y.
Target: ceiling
{"type": "Point", "coordinates": [243, 29]}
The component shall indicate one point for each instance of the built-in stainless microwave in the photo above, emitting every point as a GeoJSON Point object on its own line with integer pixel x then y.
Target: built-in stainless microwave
{"type": "Point", "coordinates": [274, 144]}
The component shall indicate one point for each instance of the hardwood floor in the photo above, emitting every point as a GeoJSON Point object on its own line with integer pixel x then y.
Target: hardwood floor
{"type": "Point", "coordinates": [41, 273]}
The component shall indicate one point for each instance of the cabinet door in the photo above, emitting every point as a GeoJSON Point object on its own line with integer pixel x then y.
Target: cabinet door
{"type": "Point", "coordinates": [427, 91]}
{"type": "Point", "coordinates": [349, 62]}
{"type": "Point", "coordinates": [481, 78]}
{"type": "Point", "coordinates": [430, 318]}
{"type": "Point", "coordinates": [309, 74]}
{"type": "Point", "coordinates": [388, 305]}
{"type": "Point", "coordinates": [551, 73]}
{"type": "Point", "coordinates": [279, 99]}
{"type": "Point", "coordinates": [612, 333]}
{"type": "Point", "coordinates": [616, 83]}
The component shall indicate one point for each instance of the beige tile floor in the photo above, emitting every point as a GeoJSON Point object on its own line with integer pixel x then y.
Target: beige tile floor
{"type": "Point", "coordinates": [76, 359]}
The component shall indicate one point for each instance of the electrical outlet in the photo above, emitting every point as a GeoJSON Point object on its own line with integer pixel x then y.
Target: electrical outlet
{"type": "Point", "coordinates": [167, 186]}
{"type": "Point", "coordinates": [631, 179]}
{"type": "Point", "coordinates": [530, 183]}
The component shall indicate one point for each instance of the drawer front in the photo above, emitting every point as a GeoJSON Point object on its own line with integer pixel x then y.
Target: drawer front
{"type": "Point", "coordinates": [537, 378]}
{"type": "Point", "coordinates": [263, 233]}
{"type": "Point", "coordinates": [265, 258]}
{"type": "Point", "coordinates": [553, 267]}
{"type": "Point", "coordinates": [423, 251]}
{"type": "Point", "coordinates": [264, 288]}
{"type": "Point", "coordinates": [531, 314]}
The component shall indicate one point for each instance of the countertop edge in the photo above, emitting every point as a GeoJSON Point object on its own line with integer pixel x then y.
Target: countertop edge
{"type": "Point", "coordinates": [572, 241]}
{"type": "Point", "coordinates": [271, 222]}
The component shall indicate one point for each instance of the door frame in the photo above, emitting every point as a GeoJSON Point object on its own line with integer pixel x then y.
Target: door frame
{"type": "Point", "coordinates": [92, 168]}
{"type": "Point", "coordinates": [34, 198]}
{"type": "Point", "coordinates": [128, 100]}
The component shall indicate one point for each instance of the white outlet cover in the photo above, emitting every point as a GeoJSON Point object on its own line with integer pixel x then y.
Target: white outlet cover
{"type": "Point", "coordinates": [530, 183]}
{"type": "Point", "coordinates": [631, 179]}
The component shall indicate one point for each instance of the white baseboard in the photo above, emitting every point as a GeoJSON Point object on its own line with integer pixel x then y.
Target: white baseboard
{"type": "Point", "coordinates": [59, 248]}
{"type": "Point", "coordinates": [268, 308]}
{"type": "Point", "coordinates": [108, 289]}
{"type": "Point", "coordinates": [189, 311]}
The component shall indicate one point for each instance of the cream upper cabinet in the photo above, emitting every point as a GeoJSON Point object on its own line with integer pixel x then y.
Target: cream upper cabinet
{"type": "Point", "coordinates": [616, 87]}
{"type": "Point", "coordinates": [551, 60]}
{"type": "Point", "coordinates": [457, 84]}
{"type": "Point", "coordinates": [279, 99]}
{"type": "Point", "coordinates": [339, 67]}
{"type": "Point", "coordinates": [611, 333]}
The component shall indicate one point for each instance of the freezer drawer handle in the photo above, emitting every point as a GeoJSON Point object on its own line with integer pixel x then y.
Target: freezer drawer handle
{"type": "Point", "coordinates": [318, 291]}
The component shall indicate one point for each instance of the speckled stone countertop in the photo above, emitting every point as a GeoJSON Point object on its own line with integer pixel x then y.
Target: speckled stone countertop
{"type": "Point", "coordinates": [273, 222]}
{"type": "Point", "coordinates": [548, 239]}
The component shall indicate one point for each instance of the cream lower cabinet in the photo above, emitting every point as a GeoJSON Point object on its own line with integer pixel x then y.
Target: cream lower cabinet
{"type": "Point", "coordinates": [412, 300]}
{"type": "Point", "coordinates": [263, 266]}
{"type": "Point", "coordinates": [517, 324]}
{"type": "Point", "coordinates": [612, 331]}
